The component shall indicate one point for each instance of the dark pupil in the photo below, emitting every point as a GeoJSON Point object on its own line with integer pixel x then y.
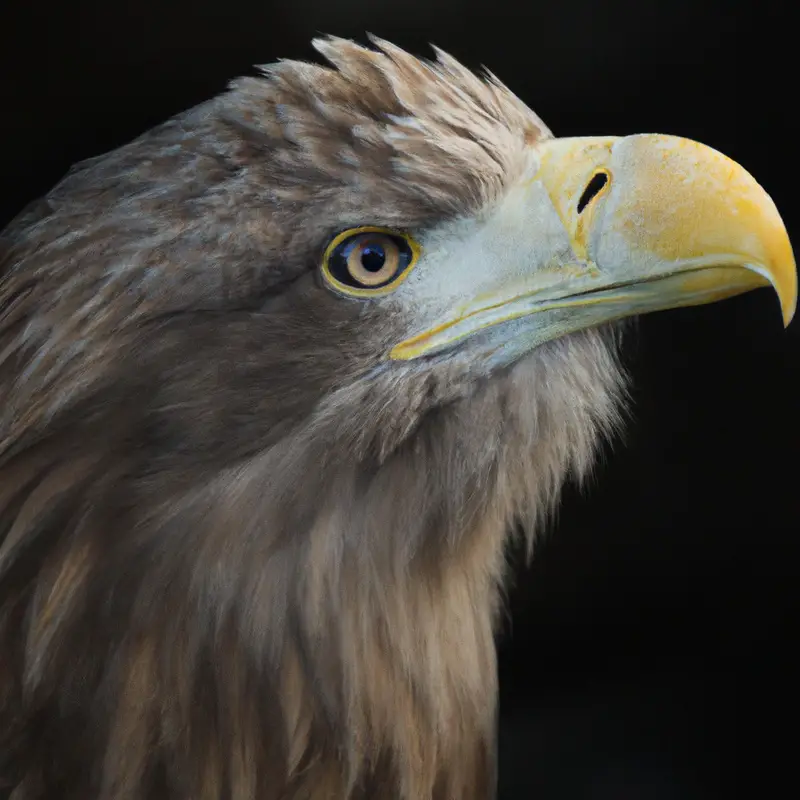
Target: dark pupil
{"type": "Point", "coordinates": [373, 257]}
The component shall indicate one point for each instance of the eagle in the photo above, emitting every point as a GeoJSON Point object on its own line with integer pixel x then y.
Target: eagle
{"type": "Point", "coordinates": [278, 381]}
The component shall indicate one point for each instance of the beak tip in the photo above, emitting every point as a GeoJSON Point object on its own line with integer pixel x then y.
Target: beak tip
{"type": "Point", "coordinates": [787, 296]}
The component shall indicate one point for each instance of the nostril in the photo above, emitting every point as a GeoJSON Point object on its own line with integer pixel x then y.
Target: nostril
{"type": "Point", "coordinates": [596, 184]}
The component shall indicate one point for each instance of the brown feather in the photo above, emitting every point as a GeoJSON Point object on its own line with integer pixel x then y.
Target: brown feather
{"type": "Point", "coordinates": [237, 559]}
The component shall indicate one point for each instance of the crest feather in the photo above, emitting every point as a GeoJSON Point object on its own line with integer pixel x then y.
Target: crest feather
{"type": "Point", "coordinates": [433, 128]}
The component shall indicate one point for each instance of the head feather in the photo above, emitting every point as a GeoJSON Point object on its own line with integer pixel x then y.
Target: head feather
{"type": "Point", "coordinates": [235, 560]}
{"type": "Point", "coordinates": [434, 129]}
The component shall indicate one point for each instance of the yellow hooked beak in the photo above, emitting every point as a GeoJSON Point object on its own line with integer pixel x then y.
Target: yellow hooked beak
{"type": "Point", "coordinates": [632, 225]}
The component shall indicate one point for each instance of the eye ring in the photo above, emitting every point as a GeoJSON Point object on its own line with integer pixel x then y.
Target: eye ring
{"type": "Point", "coordinates": [369, 261]}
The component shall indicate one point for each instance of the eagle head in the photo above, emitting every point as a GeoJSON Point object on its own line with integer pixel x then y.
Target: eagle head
{"type": "Point", "coordinates": [276, 380]}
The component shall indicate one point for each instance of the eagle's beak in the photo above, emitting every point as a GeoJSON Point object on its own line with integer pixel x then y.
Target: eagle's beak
{"type": "Point", "coordinates": [647, 222]}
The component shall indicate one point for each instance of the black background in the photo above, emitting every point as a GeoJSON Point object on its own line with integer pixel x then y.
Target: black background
{"type": "Point", "coordinates": [648, 651]}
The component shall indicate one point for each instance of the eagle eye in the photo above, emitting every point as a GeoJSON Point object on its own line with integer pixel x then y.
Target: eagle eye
{"type": "Point", "coordinates": [369, 261]}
